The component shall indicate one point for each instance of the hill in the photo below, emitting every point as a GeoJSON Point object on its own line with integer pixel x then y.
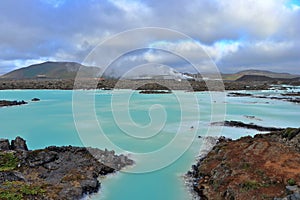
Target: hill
{"type": "Point", "coordinates": [255, 78]}
{"type": "Point", "coordinates": [253, 72]}
{"type": "Point", "coordinates": [52, 70]}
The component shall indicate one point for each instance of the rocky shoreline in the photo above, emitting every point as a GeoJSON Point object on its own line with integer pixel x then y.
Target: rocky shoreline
{"type": "Point", "coordinates": [266, 166]}
{"type": "Point", "coordinates": [169, 84]}
{"type": "Point", "coordinates": [54, 172]}
{"type": "Point", "coordinates": [4, 103]}
{"type": "Point", "coordinates": [290, 97]}
{"type": "Point", "coordinates": [155, 92]}
{"type": "Point", "coordinates": [240, 124]}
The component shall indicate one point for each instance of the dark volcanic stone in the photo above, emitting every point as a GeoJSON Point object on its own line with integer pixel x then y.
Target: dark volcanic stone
{"type": "Point", "coordinates": [11, 103]}
{"type": "Point", "coordinates": [238, 94]}
{"type": "Point", "coordinates": [39, 158]}
{"type": "Point", "coordinates": [10, 176]}
{"type": "Point", "coordinates": [64, 172]}
{"type": "Point", "coordinates": [155, 92]}
{"type": "Point", "coordinates": [4, 144]}
{"type": "Point", "coordinates": [248, 126]}
{"type": "Point", "coordinates": [19, 144]}
{"type": "Point", "coordinates": [35, 99]}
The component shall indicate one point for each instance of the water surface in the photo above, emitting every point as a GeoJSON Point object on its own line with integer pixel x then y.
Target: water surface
{"type": "Point", "coordinates": [51, 122]}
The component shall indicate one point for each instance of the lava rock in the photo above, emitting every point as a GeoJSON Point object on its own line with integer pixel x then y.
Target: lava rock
{"type": "Point", "coordinates": [10, 176]}
{"type": "Point", "coordinates": [257, 165]}
{"type": "Point", "coordinates": [18, 144]}
{"type": "Point", "coordinates": [4, 144]}
{"type": "Point", "coordinates": [11, 103]}
{"type": "Point", "coordinates": [63, 172]}
{"type": "Point", "coordinates": [35, 99]}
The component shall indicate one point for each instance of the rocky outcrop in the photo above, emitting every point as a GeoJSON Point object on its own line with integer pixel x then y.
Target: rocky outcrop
{"type": "Point", "coordinates": [266, 166]}
{"type": "Point", "coordinates": [11, 103]}
{"type": "Point", "coordinates": [240, 124]}
{"type": "Point", "coordinates": [55, 172]}
{"type": "Point", "coordinates": [290, 97]}
{"type": "Point", "coordinates": [18, 144]}
{"type": "Point", "coordinates": [10, 176]}
{"type": "Point", "coordinates": [155, 92]}
{"type": "Point", "coordinates": [238, 94]}
{"type": "Point", "coordinates": [4, 144]}
{"type": "Point", "coordinates": [35, 99]}
{"type": "Point", "coordinates": [297, 94]}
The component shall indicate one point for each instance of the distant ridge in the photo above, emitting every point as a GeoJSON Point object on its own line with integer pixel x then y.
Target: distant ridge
{"type": "Point", "coordinates": [264, 73]}
{"type": "Point", "coordinates": [52, 70]}
{"type": "Point", "coordinates": [255, 78]}
{"type": "Point", "coordinates": [68, 70]}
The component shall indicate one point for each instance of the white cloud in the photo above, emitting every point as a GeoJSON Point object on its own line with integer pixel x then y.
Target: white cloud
{"type": "Point", "coordinates": [134, 10]}
{"type": "Point", "coordinates": [234, 33]}
{"type": "Point", "coordinates": [193, 49]}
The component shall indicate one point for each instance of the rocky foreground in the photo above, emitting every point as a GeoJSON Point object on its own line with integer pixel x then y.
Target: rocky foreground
{"type": "Point", "coordinates": [266, 166]}
{"type": "Point", "coordinates": [54, 172]}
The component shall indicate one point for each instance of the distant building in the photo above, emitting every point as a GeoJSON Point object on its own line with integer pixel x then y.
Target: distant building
{"type": "Point", "coordinates": [41, 76]}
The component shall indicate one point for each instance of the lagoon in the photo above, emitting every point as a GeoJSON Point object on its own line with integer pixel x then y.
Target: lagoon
{"type": "Point", "coordinates": [140, 125]}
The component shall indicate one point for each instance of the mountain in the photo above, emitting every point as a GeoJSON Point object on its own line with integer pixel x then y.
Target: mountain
{"type": "Point", "coordinates": [52, 70]}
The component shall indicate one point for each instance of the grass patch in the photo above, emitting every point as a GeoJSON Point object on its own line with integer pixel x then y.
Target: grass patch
{"type": "Point", "coordinates": [16, 190]}
{"type": "Point", "coordinates": [8, 161]}
{"type": "Point", "coordinates": [290, 133]}
{"type": "Point", "coordinates": [250, 185]}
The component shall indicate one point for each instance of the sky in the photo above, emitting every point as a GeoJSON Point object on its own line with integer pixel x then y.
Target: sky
{"type": "Point", "coordinates": [236, 34]}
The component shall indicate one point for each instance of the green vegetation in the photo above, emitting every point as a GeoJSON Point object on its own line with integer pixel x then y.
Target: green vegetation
{"type": "Point", "coordinates": [290, 133]}
{"type": "Point", "coordinates": [8, 161]}
{"type": "Point", "coordinates": [291, 182]}
{"type": "Point", "coordinates": [17, 190]}
{"type": "Point", "coordinates": [250, 185]}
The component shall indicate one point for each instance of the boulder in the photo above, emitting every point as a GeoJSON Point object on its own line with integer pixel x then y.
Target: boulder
{"type": "Point", "coordinates": [10, 176]}
{"type": "Point", "coordinates": [19, 144]}
{"type": "Point", "coordinates": [4, 144]}
{"type": "Point", "coordinates": [35, 99]}
{"type": "Point", "coordinates": [41, 158]}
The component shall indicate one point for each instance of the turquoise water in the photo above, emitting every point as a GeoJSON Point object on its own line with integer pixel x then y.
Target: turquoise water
{"type": "Point", "coordinates": [154, 130]}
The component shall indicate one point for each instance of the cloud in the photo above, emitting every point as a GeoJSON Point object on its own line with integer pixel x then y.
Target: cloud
{"type": "Point", "coordinates": [236, 34]}
{"type": "Point", "coordinates": [278, 56]}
